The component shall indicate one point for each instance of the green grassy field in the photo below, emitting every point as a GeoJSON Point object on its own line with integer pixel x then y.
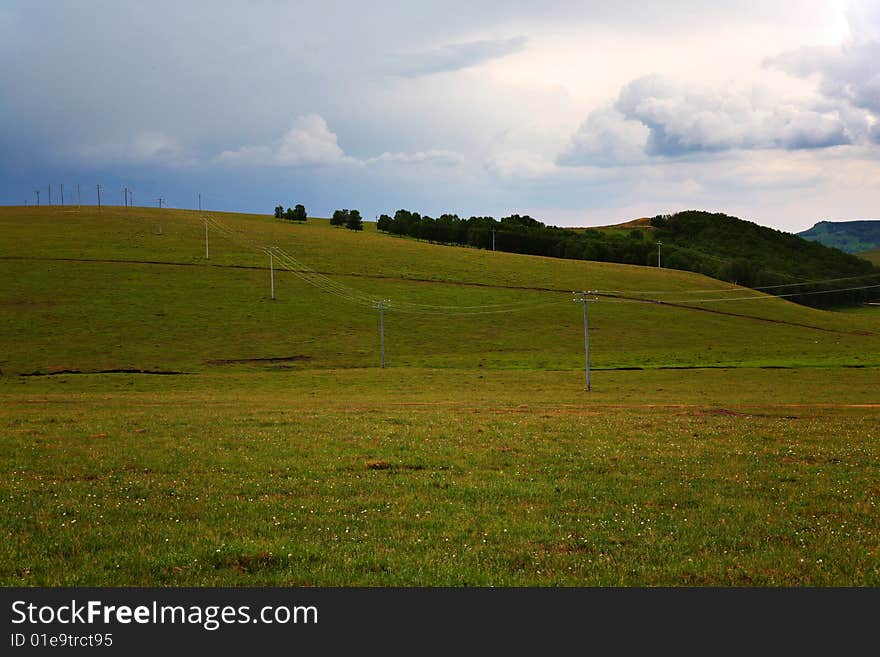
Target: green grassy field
{"type": "Point", "coordinates": [743, 451]}
{"type": "Point", "coordinates": [72, 305]}
{"type": "Point", "coordinates": [873, 255]}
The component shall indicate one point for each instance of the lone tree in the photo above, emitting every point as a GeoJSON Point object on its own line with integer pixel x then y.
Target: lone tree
{"type": "Point", "coordinates": [354, 221]}
{"type": "Point", "coordinates": [340, 218]}
{"type": "Point", "coordinates": [279, 211]}
{"type": "Point", "coordinates": [299, 212]}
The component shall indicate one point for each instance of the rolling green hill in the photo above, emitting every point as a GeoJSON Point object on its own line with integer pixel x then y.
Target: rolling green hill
{"type": "Point", "coordinates": [736, 250]}
{"type": "Point", "coordinates": [715, 244]}
{"type": "Point", "coordinates": [848, 236]}
{"type": "Point", "coordinates": [93, 290]}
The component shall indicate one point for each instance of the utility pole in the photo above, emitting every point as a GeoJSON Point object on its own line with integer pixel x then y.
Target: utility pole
{"type": "Point", "coordinates": [493, 239]}
{"type": "Point", "coordinates": [272, 274]}
{"type": "Point", "coordinates": [382, 305]}
{"type": "Point", "coordinates": [62, 193]}
{"type": "Point", "coordinates": [658, 253]}
{"type": "Point", "coordinates": [78, 197]}
{"type": "Point", "coordinates": [37, 192]}
{"type": "Point", "coordinates": [585, 300]}
{"type": "Point", "coordinates": [99, 196]}
{"type": "Point", "coordinates": [207, 253]}
{"type": "Point", "coordinates": [130, 198]}
{"type": "Point", "coordinates": [50, 194]}
{"type": "Point", "coordinates": [160, 214]}
{"type": "Point", "coordinates": [125, 196]}
{"type": "Point", "coordinates": [200, 201]}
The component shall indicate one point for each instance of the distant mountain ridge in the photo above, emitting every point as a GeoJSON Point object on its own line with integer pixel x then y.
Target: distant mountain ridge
{"type": "Point", "coordinates": [848, 236]}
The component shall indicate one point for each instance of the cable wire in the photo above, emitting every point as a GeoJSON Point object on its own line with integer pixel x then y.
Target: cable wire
{"type": "Point", "coordinates": [290, 263]}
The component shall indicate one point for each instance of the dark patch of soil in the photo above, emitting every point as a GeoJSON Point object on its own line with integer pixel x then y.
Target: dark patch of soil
{"type": "Point", "coordinates": [273, 359]}
{"type": "Point", "coordinates": [125, 370]}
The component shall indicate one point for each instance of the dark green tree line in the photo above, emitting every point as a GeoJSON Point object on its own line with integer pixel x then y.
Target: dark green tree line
{"type": "Point", "coordinates": [717, 245]}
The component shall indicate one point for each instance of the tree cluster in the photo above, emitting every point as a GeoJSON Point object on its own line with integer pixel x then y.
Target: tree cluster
{"type": "Point", "coordinates": [520, 234]}
{"type": "Point", "coordinates": [351, 219]}
{"type": "Point", "coordinates": [297, 213]}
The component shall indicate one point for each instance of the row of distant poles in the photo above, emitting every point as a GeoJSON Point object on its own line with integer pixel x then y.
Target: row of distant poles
{"type": "Point", "coordinates": [127, 196]}
{"type": "Point", "coordinates": [78, 195]}
{"type": "Point", "coordinates": [127, 202]}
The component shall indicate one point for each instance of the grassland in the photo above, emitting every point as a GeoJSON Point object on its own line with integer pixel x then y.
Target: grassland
{"type": "Point", "coordinates": [73, 305]}
{"type": "Point", "coordinates": [476, 458]}
{"type": "Point", "coordinates": [873, 255]}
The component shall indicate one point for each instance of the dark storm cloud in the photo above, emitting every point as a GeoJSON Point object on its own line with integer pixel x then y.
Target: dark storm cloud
{"type": "Point", "coordinates": [385, 104]}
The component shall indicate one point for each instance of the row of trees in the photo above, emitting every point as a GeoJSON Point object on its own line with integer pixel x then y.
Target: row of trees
{"type": "Point", "coordinates": [298, 213]}
{"type": "Point", "coordinates": [522, 234]}
{"type": "Point", "coordinates": [351, 219]}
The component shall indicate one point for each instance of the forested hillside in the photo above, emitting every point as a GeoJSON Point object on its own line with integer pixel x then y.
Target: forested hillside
{"type": "Point", "coordinates": [714, 244]}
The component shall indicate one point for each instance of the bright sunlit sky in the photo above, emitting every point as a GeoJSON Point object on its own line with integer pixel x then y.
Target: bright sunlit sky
{"type": "Point", "coordinates": [578, 113]}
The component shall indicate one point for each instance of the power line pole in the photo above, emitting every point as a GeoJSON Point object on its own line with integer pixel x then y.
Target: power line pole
{"type": "Point", "coordinates": [62, 193]}
{"type": "Point", "coordinates": [78, 197]}
{"type": "Point", "coordinates": [658, 253]}
{"type": "Point", "coordinates": [160, 214]}
{"type": "Point", "coordinates": [125, 196]}
{"type": "Point", "coordinates": [382, 305]}
{"type": "Point", "coordinates": [200, 201]}
{"type": "Point", "coordinates": [585, 300]}
{"type": "Point", "coordinates": [493, 239]}
{"type": "Point", "coordinates": [50, 194]}
{"type": "Point", "coordinates": [207, 253]}
{"type": "Point", "coordinates": [37, 192]}
{"type": "Point", "coordinates": [99, 196]}
{"type": "Point", "coordinates": [272, 274]}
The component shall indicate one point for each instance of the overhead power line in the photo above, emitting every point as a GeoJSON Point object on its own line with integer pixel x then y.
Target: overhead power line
{"type": "Point", "coordinates": [744, 289]}
{"type": "Point", "coordinates": [290, 263]}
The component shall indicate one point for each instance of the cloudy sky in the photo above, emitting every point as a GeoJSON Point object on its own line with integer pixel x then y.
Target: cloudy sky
{"type": "Point", "coordinates": [579, 113]}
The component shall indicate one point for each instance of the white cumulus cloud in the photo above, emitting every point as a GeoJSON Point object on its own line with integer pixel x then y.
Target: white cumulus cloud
{"type": "Point", "coordinates": [308, 142]}
{"type": "Point", "coordinates": [847, 73]}
{"type": "Point", "coordinates": [607, 137]}
{"type": "Point", "coordinates": [435, 157]}
{"type": "Point", "coordinates": [655, 116]}
{"type": "Point", "coordinates": [683, 119]}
